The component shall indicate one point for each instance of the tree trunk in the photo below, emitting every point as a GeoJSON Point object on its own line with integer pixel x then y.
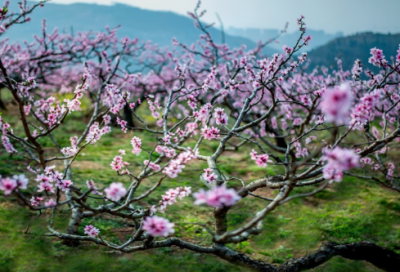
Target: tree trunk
{"type": "Point", "coordinates": [128, 116]}
{"type": "Point", "coordinates": [380, 257]}
{"type": "Point", "coordinates": [2, 105]}
{"type": "Point", "coordinates": [73, 226]}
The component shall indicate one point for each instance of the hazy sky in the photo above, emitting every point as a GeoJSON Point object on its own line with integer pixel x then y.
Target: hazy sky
{"type": "Point", "coordinates": [349, 16]}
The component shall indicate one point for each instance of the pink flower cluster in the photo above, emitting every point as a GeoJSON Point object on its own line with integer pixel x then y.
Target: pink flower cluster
{"type": "Point", "coordinates": [377, 58]}
{"type": "Point", "coordinates": [167, 139]}
{"type": "Point", "coordinates": [336, 104]}
{"type": "Point", "coordinates": [192, 101]}
{"type": "Point", "coordinates": [115, 191]}
{"type": "Point", "coordinates": [210, 80]}
{"type": "Point", "coordinates": [170, 197]}
{"type": "Point", "coordinates": [158, 226]}
{"type": "Point", "coordinates": [95, 132]}
{"type": "Point", "coordinates": [338, 161]}
{"type": "Point", "coordinates": [71, 151]}
{"type": "Point", "coordinates": [123, 124]}
{"type": "Point", "coordinates": [210, 133]}
{"type": "Point", "coordinates": [261, 160]}
{"type": "Point", "coordinates": [176, 166]}
{"type": "Point", "coordinates": [91, 231]}
{"type": "Point", "coordinates": [300, 152]}
{"type": "Point", "coordinates": [203, 113]}
{"type": "Point", "coordinates": [221, 118]}
{"type": "Point", "coordinates": [7, 144]}
{"type": "Point", "coordinates": [137, 145]}
{"type": "Point", "coordinates": [35, 201]}
{"type": "Point", "coordinates": [191, 128]}
{"type": "Point", "coordinates": [118, 164]}
{"type": "Point", "coordinates": [49, 177]}
{"type": "Point", "coordinates": [8, 185]}
{"type": "Point", "coordinates": [209, 175]}
{"type": "Point", "coordinates": [307, 39]}
{"type": "Point", "coordinates": [74, 104]}
{"type": "Point", "coordinates": [218, 196]}
{"type": "Point", "coordinates": [152, 165]}
{"type": "Point", "coordinates": [357, 69]}
{"type": "Point", "coordinates": [114, 98]}
{"type": "Point", "coordinates": [168, 152]}
{"type": "Point", "coordinates": [390, 171]}
{"type": "Point", "coordinates": [50, 203]}
{"type": "Point", "coordinates": [364, 110]}
{"type": "Point", "coordinates": [154, 106]}
{"type": "Point", "coordinates": [5, 128]}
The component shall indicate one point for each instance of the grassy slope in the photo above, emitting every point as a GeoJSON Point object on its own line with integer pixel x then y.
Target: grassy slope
{"type": "Point", "coordinates": [352, 210]}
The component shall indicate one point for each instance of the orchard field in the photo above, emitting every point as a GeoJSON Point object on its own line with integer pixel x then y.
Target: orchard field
{"type": "Point", "coordinates": [353, 210]}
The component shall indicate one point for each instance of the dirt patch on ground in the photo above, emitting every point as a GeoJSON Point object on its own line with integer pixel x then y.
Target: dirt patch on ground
{"type": "Point", "coordinates": [122, 233]}
{"type": "Point", "coordinates": [88, 165]}
{"type": "Point", "coordinates": [233, 154]}
{"type": "Point", "coordinates": [265, 192]}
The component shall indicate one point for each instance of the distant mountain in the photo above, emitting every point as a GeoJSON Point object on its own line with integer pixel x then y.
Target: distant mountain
{"type": "Point", "coordinates": [157, 26]}
{"type": "Point", "coordinates": [319, 37]}
{"type": "Point", "coordinates": [354, 47]}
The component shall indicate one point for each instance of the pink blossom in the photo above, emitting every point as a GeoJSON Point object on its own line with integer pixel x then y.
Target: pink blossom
{"type": "Point", "coordinates": [168, 152]}
{"type": "Point", "coordinates": [253, 154]}
{"type": "Point", "coordinates": [35, 201]}
{"type": "Point", "coordinates": [69, 151]}
{"type": "Point", "coordinates": [166, 139]}
{"type": "Point", "coordinates": [338, 161]}
{"type": "Point", "coordinates": [107, 119]}
{"type": "Point", "coordinates": [63, 185]}
{"type": "Point", "coordinates": [95, 132]}
{"type": "Point", "coordinates": [137, 145]}
{"type": "Point", "coordinates": [158, 226]}
{"type": "Point", "coordinates": [7, 144]}
{"type": "Point", "coordinates": [357, 69]}
{"type": "Point", "coordinates": [152, 165]}
{"type": "Point", "coordinates": [377, 58]}
{"type": "Point", "coordinates": [21, 180]}
{"type": "Point", "coordinates": [118, 164]}
{"type": "Point", "coordinates": [115, 192]}
{"type": "Point", "coordinates": [336, 103]}
{"type": "Point", "coordinates": [8, 185]}
{"type": "Point", "coordinates": [220, 116]}
{"type": "Point", "coordinates": [364, 110]}
{"type": "Point", "coordinates": [307, 39]}
{"type": "Point", "coordinates": [261, 160]}
{"type": "Point", "coordinates": [73, 105]}
{"type": "Point", "coordinates": [375, 132]}
{"type": "Point", "coordinates": [175, 166]}
{"type": "Point", "coordinates": [218, 196]}
{"type": "Point", "coordinates": [209, 175]}
{"type": "Point", "coordinates": [123, 124]}
{"type": "Point", "coordinates": [210, 133]}
{"type": "Point", "coordinates": [170, 197]}
{"type": "Point", "coordinates": [91, 231]}
{"type": "Point", "coordinates": [91, 185]}
{"type": "Point", "coordinates": [27, 109]}
{"type": "Point", "coordinates": [50, 203]}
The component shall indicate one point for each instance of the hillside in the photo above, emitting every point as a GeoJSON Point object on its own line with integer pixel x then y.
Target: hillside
{"type": "Point", "coordinates": [354, 47]}
{"type": "Point", "coordinates": [157, 26]}
{"type": "Point", "coordinates": [319, 37]}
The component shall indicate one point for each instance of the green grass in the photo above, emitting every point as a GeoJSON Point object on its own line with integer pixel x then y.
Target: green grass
{"type": "Point", "coordinates": [349, 211]}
